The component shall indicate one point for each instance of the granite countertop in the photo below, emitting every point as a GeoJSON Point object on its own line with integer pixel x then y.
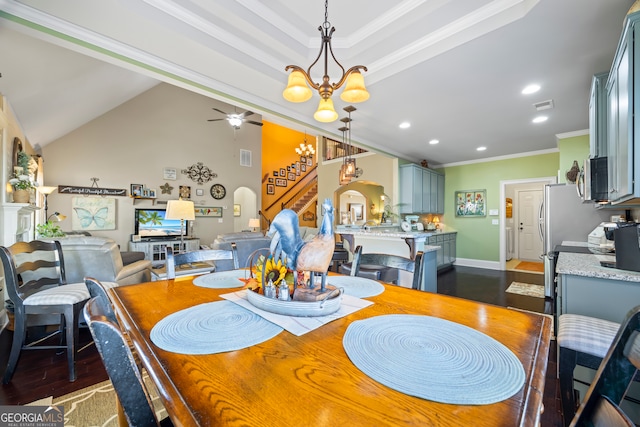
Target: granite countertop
{"type": "Point", "coordinates": [390, 233]}
{"type": "Point", "coordinates": [588, 265]}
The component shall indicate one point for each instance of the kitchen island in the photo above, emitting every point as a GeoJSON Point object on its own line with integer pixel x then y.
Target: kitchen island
{"type": "Point", "coordinates": [586, 287]}
{"type": "Point", "coordinates": [392, 240]}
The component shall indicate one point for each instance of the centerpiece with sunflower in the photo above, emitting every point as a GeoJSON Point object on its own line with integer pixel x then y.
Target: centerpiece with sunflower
{"type": "Point", "coordinates": [266, 269]}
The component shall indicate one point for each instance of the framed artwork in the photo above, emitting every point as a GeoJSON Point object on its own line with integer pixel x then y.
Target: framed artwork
{"type": "Point", "coordinates": [199, 192]}
{"type": "Point", "coordinates": [93, 213]}
{"type": "Point", "coordinates": [298, 165]}
{"type": "Point", "coordinates": [303, 160]}
{"type": "Point", "coordinates": [356, 211]}
{"type": "Point", "coordinates": [275, 173]}
{"type": "Point", "coordinates": [471, 203]}
{"type": "Point", "coordinates": [297, 171]}
{"type": "Point", "coordinates": [151, 192]}
{"type": "Point", "coordinates": [292, 176]}
{"type": "Point", "coordinates": [270, 180]}
{"type": "Point", "coordinates": [136, 190]}
{"type": "Point", "coordinates": [271, 189]}
{"type": "Point", "coordinates": [236, 210]}
{"type": "Point", "coordinates": [309, 161]}
{"type": "Point", "coordinates": [283, 172]}
{"type": "Point", "coordinates": [185, 192]}
{"type": "Point", "coordinates": [288, 168]}
{"type": "Point", "coordinates": [281, 182]}
{"type": "Point", "coordinates": [303, 168]}
{"type": "Point", "coordinates": [212, 212]}
{"type": "Point", "coordinates": [170, 174]}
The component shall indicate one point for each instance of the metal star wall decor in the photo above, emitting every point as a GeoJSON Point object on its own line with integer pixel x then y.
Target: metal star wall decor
{"type": "Point", "coordinates": [166, 188]}
{"type": "Point", "coordinates": [199, 173]}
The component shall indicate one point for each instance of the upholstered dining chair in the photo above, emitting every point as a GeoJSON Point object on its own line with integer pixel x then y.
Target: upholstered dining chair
{"type": "Point", "coordinates": [121, 367]}
{"type": "Point", "coordinates": [36, 284]}
{"type": "Point", "coordinates": [601, 406]}
{"type": "Point", "coordinates": [394, 262]}
{"type": "Point", "coordinates": [173, 260]}
{"type": "Point", "coordinates": [582, 340]}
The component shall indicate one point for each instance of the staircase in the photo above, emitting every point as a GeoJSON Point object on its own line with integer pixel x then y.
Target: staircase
{"type": "Point", "coordinates": [299, 198]}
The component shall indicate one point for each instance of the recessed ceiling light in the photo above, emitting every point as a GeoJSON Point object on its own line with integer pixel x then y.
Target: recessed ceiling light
{"type": "Point", "coordinates": [540, 119]}
{"type": "Point", "coordinates": [434, 141]}
{"type": "Point", "coordinates": [481, 148]}
{"type": "Point", "coordinates": [528, 90]}
{"type": "Point", "coordinates": [405, 125]}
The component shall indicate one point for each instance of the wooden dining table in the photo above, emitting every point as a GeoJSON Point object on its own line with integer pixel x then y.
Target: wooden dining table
{"type": "Point", "coordinates": [309, 380]}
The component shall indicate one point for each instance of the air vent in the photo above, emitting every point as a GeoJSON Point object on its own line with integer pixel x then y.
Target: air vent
{"type": "Point", "coordinates": [245, 158]}
{"type": "Point", "coordinates": [544, 105]}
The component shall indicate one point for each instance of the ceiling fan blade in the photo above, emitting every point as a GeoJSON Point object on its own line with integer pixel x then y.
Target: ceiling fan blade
{"type": "Point", "coordinates": [246, 113]}
{"type": "Point", "coordinates": [215, 120]}
{"type": "Point", "coordinates": [253, 123]}
{"type": "Point", "coordinates": [219, 111]}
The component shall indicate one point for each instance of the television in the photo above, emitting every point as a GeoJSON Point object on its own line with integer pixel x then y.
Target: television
{"type": "Point", "coordinates": [151, 224]}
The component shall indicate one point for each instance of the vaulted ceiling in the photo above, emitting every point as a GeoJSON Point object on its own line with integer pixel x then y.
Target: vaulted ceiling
{"type": "Point", "coordinates": [453, 69]}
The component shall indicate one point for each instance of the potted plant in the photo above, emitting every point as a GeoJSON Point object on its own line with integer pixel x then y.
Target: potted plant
{"type": "Point", "coordinates": [22, 186]}
{"type": "Point", "coordinates": [49, 229]}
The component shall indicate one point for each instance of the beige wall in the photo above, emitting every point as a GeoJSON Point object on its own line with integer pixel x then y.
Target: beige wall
{"type": "Point", "coordinates": [163, 127]}
{"type": "Point", "coordinates": [377, 168]}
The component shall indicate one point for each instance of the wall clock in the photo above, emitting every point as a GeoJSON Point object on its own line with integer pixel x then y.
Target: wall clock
{"type": "Point", "coordinates": [218, 191]}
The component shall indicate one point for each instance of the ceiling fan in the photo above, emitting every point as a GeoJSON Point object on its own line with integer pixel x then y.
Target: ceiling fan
{"type": "Point", "coordinates": [236, 119]}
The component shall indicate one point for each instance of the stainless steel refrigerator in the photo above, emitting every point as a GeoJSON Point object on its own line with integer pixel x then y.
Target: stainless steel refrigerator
{"type": "Point", "coordinates": [564, 217]}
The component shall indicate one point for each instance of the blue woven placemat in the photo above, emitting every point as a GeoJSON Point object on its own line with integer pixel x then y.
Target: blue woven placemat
{"type": "Point", "coordinates": [222, 279]}
{"type": "Point", "coordinates": [356, 286]}
{"type": "Point", "coordinates": [210, 328]}
{"type": "Point", "coordinates": [434, 359]}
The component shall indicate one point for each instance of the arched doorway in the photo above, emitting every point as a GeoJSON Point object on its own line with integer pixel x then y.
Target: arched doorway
{"type": "Point", "coordinates": [245, 207]}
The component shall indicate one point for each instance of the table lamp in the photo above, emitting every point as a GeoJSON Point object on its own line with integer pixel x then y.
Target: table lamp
{"type": "Point", "coordinates": [182, 210]}
{"type": "Point", "coordinates": [46, 191]}
{"type": "Point", "coordinates": [254, 223]}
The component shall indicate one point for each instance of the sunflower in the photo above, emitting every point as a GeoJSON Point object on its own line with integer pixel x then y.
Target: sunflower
{"type": "Point", "coordinates": [274, 271]}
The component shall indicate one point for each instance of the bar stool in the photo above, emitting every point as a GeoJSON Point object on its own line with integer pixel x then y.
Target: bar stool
{"type": "Point", "coordinates": [340, 256]}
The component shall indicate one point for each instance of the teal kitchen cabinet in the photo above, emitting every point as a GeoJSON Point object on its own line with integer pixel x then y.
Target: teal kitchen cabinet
{"type": "Point", "coordinates": [598, 116]}
{"type": "Point", "coordinates": [623, 102]}
{"type": "Point", "coordinates": [421, 190]}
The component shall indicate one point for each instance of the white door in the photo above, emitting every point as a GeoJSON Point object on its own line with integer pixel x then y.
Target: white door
{"type": "Point", "coordinates": [529, 239]}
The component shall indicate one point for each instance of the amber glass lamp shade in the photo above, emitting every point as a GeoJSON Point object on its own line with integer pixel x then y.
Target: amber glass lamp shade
{"type": "Point", "coordinates": [325, 113]}
{"type": "Point", "coordinates": [297, 89]}
{"type": "Point", "coordinates": [355, 90]}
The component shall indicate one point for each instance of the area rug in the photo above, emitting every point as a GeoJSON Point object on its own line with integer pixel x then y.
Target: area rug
{"type": "Point", "coordinates": [96, 405]}
{"type": "Point", "coordinates": [534, 267]}
{"type": "Point", "coordinates": [526, 289]}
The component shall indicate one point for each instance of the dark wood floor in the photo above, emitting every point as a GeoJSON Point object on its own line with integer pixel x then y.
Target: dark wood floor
{"type": "Point", "coordinates": [44, 373]}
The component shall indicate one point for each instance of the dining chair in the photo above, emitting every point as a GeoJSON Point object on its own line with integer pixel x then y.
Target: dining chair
{"type": "Point", "coordinates": [121, 367]}
{"type": "Point", "coordinates": [36, 284]}
{"type": "Point", "coordinates": [173, 260]}
{"type": "Point", "coordinates": [582, 340]}
{"type": "Point", "coordinates": [99, 290]}
{"type": "Point", "coordinates": [601, 406]}
{"type": "Point", "coordinates": [394, 262]}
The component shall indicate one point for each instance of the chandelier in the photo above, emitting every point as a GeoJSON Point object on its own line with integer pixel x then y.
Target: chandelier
{"type": "Point", "coordinates": [298, 90]}
{"type": "Point", "coordinates": [305, 149]}
{"type": "Point", "coordinates": [348, 170]}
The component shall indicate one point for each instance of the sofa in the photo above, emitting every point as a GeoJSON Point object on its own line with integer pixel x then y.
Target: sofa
{"type": "Point", "coordinates": [100, 258]}
{"type": "Point", "coordinates": [249, 242]}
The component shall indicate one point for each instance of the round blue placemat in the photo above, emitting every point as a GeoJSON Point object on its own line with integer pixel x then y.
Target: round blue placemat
{"type": "Point", "coordinates": [222, 279]}
{"type": "Point", "coordinates": [210, 328]}
{"type": "Point", "coordinates": [356, 286]}
{"type": "Point", "coordinates": [434, 359]}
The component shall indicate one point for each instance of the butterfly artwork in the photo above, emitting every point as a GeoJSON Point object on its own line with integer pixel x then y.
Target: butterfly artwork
{"type": "Point", "coordinates": [93, 213]}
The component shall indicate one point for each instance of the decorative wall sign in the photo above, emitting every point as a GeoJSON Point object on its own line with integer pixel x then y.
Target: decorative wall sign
{"type": "Point", "coordinates": [215, 212]}
{"type": "Point", "coordinates": [91, 191]}
{"type": "Point", "coordinates": [471, 203]}
{"type": "Point", "coordinates": [199, 173]}
{"type": "Point", "coordinates": [170, 173]}
{"type": "Point", "coordinates": [93, 213]}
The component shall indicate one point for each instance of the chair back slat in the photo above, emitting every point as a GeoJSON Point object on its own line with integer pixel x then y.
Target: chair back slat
{"type": "Point", "coordinates": [173, 260]}
{"type": "Point", "coordinates": [394, 261]}
{"type": "Point", "coordinates": [99, 292]}
{"type": "Point", "coordinates": [30, 267]}
{"type": "Point", "coordinates": [120, 365]}
{"type": "Point", "coordinates": [600, 406]}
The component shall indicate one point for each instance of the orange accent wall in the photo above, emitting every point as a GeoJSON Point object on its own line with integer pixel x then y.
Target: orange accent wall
{"type": "Point", "coordinates": [278, 151]}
